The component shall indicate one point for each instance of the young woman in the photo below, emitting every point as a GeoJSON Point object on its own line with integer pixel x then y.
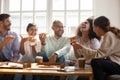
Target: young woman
{"type": "Point", "coordinates": [84, 36]}
{"type": "Point", "coordinates": [29, 48]}
{"type": "Point", "coordinates": [107, 57]}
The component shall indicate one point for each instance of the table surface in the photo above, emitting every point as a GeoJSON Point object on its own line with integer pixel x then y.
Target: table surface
{"type": "Point", "coordinates": [45, 71]}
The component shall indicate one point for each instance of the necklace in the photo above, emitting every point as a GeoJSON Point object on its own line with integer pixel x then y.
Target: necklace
{"type": "Point", "coordinates": [85, 40]}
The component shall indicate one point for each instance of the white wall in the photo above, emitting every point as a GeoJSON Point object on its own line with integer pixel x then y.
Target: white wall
{"type": "Point", "coordinates": [108, 8]}
{"type": "Point", "coordinates": [0, 6]}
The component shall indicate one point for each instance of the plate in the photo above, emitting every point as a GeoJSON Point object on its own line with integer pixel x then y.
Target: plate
{"type": "Point", "coordinates": [11, 65]}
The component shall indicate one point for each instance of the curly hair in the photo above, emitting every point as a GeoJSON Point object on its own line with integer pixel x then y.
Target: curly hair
{"type": "Point", "coordinates": [91, 33]}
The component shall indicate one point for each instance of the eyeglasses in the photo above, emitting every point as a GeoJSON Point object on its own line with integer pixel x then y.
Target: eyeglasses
{"type": "Point", "coordinates": [59, 26]}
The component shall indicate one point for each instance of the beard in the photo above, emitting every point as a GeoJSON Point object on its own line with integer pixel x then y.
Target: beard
{"type": "Point", "coordinates": [7, 27]}
{"type": "Point", "coordinates": [59, 34]}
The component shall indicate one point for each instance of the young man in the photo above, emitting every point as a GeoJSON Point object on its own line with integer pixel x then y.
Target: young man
{"type": "Point", "coordinates": [53, 44]}
{"type": "Point", "coordinates": [9, 42]}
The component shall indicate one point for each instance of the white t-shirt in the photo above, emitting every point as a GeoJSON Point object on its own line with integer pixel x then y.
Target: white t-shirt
{"type": "Point", "coordinates": [28, 56]}
{"type": "Point", "coordinates": [93, 44]}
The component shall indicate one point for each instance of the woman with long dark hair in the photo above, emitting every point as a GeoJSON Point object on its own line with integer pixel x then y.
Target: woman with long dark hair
{"type": "Point", "coordinates": [107, 58]}
{"type": "Point", "coordinates": [84, 36]}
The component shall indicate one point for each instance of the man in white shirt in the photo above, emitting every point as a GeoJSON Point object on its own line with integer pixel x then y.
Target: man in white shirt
{"type": "Point", "coordinates": [53, 44]}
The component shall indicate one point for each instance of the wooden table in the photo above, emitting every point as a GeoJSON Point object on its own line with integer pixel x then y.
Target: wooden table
{"type": "Point", "coordinates": [86, 72]}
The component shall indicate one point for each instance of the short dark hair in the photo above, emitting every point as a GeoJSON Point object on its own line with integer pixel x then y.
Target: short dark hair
{"type": "Point", "coordinates": [55, 22]}
{"type": "Point", "coordinates": [30, 25]}
{"type": "Point", "coordinates": [4, 16]}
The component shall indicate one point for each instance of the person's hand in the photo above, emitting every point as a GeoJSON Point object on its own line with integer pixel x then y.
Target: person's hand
{"type": "Point", "coordinates": [15, 58]}
{"type": "Point", "coordinates": [76, 45]}
{"type": "Point", "coordinates": [77, 49]}
{"type": "Point", "coordinates": [73, 39]}
{"type": "Point", "coordinates": [42, 37]}
{"type": "Point", "coordinates": [72, 62]}
{"type": "Point", "coordinates": [33, 41]}
{"type": "Point", "coordinates": [8, 39]}
{"type": "Point", "coordinates": [53, 58]}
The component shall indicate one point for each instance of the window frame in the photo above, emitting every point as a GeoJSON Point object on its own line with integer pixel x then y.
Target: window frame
{"type": "Point", "coordinates": [49, 14]}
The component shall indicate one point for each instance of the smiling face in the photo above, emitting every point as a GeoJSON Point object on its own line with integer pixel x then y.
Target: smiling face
{"type": "Point", "coordinates": [32, 31]}
{"type": "Point", "coordinates": [85, 26]}
{"type": "Point", "coordinates": [58, 29]}
{"type": "Point", "coordinates": [6, 24]}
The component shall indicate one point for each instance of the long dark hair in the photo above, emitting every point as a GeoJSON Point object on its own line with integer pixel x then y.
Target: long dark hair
{"type": "Point", "coordinates": [91, 33]}
{"type": "Point", "coordinates": [104, 23]}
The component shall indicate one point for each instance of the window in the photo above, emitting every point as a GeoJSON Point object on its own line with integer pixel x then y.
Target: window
{"type": "Point", "coordinates": [1, 6]}
{"type": "Point", "coordinates": [44, 12]}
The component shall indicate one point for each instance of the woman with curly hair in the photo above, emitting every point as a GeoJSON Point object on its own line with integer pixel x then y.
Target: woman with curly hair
{"type": "Point", "coordinates": [106, 59]}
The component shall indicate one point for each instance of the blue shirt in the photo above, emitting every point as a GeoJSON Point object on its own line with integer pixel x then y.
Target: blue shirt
{"type": "Point", "coordinates": [11, 48]}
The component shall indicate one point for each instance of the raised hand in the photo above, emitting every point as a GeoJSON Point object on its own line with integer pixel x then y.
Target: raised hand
{"type": "Point", "coordinates": [32, 40]}
{"type": "Point", "coordinates": [76, 45]}
{"type": "Point", "coordinates": [8, 39]}
{"type": "Point", "coordinates": [42, 37]}
{"type": "Point", "coordinates": [73, 39]}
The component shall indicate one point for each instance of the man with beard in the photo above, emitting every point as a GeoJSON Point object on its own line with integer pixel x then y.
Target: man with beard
{"type": "Point", "coordinates": [9, 43]}
{"type": "Point", "coordinates": [53, 44]}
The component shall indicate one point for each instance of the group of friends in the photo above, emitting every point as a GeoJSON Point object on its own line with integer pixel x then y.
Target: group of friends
{"type": "Point", "coordinates": [94, 39]}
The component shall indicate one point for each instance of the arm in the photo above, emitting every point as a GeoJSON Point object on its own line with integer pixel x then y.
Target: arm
{"type": "Point", "coordinates": [16, 47]}
{"type": "Point", "coordinates": [22, 51]}
{"type": "Point", "coordinates": [2, 44]}
{"type": "Point", "coordinates": [36, 47]}
{"type": "Point", "coordinates": [104, 51]}
{"type": "Point", "coordinates": [33, 50]}
{"type": "Point", "coordinates": [6, 41]}
{"type": "Point", "coordinates": [59, 53]}
{"type": "Point", "coordinates": [63, 51]}
{"type": "Point", "coordinates": [42, 37]}
{"type": "Point", "coordinates": [77, 53]}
